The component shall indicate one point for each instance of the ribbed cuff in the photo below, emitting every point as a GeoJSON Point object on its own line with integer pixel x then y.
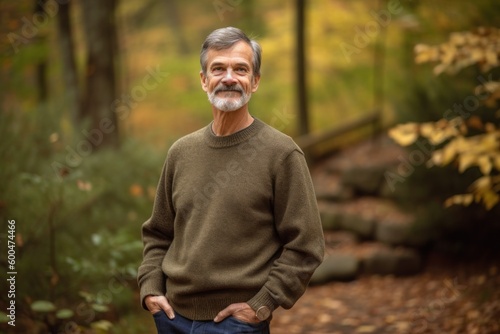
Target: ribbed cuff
{"type": "Point", "coordinates": [145, 293]}
{"type": "Point", "coordinates": [152, 284]}
{"type": "Point", "coordinates": [263, 298]}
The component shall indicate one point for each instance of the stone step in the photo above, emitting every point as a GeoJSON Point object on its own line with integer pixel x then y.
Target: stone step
{"type": "Point", "coordinates": [370, 218]}
{"type": "Point", "coordinates": [347, 259]}
{"type": "Point", "coordinates": [329, 187]}
{"type": "Point", "coordinates": [359, 169]}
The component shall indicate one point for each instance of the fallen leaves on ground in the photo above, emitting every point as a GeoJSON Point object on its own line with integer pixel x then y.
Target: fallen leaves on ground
{"type": "Point", "coordinates": [449, 296]}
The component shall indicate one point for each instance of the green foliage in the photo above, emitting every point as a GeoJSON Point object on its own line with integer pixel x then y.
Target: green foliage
{"type": "Point", "coordinates": [43, 306]}
{"type": "Point", "coordinates": [53, 319]}
{"type": "Point", "coordinates": [79, 230]}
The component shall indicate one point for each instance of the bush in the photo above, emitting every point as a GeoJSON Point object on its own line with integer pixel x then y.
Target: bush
{"type": "Point", "coordinates": [77, 229]}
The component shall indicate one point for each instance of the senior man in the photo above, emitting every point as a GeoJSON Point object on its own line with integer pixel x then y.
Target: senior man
{"type": "Point", "coordinates": [235, 231]}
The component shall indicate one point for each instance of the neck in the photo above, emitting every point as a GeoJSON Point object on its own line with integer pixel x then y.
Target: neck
{"type": "Point", "coordinates": [227, 123]}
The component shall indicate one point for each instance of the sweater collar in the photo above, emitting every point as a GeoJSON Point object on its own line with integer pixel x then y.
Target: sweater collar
{"type": "Point", "coordinates": [232, 139]}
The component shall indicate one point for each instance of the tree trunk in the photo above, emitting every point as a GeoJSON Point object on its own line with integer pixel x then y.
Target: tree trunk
{"type": "Point", "coordinates": [100, 81]}
{"type": "Point", "coordinates": [70, 73]}
{"type": "Point", "coordinates": [173, 17]}
{"type": "Point", "coordinates": [303, 125]}
{"type": "Point", "coordinates": [41, 66]}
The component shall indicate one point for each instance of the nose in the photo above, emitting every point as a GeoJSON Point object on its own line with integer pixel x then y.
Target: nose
{"type": "Point", "coordinates": [228, 78]}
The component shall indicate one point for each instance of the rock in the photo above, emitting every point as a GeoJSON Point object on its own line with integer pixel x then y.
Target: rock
{"type": "Point", "coordinates": [338, 193]}
{"type": "Point", "coordinates": [339, 240]}
{"type": "Point", "coordinates": [392, 261]}
{"type": "Point", "coordinates": [394, 230]}
{"type": "Point", "coordinates": [328, 187]}
{"type": "Point", "coordinates": [358, 223]}
{"type": "Point", "coordinates": [363, 165]}
{"type": "Point", "coordinates": [364, 179]}
{"type": "Point", "coordinates": [330, 216]}
{"type": "Point", "coordinates": [409, 262]}
{"type": "Point", "coordinates": [336, 267]}
{"type": "Point", "coordinates": [329, 220]}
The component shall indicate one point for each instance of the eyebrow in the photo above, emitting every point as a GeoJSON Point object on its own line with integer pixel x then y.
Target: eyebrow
{"type": "Point", "coordinates": [241, 64]}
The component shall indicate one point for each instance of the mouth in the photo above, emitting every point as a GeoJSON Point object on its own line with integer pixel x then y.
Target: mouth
{"type": "Point", "coordinates": [229, 90]}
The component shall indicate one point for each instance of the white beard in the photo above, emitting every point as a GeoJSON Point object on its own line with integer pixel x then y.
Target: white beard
{"type": "Point", "coordinates": [228, 104]}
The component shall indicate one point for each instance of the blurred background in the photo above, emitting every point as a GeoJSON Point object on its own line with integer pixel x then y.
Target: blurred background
{"type": "Point", "coordinates": [394, 102]}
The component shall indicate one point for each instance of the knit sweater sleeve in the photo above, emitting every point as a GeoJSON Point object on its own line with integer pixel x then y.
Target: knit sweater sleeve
{"type": "Point", "coordinates": [299, 229]}
{"type": "Point", "coordinates": [157, 234]}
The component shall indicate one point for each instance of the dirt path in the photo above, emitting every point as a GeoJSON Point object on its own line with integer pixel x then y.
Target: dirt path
{"type": "Point", "coordinates": [447, 297]}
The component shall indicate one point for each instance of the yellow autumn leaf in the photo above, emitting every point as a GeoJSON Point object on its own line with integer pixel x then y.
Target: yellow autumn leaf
{"type": "Point", "coordinates": [427, 129]}
{"type": "Point", "coordinates": [455, 122]}
{"type": "Point", "coordinates": [466, 160]}
{"type": "Point", "coordinates": [467, 145]}
{"type": "Point", "coordinates": [404, 134]}
{"type": "Point", "coordinates": [472, 38]}
{"type": "Point", "coordinates": [492, 57]}
{"type": "Point", "coordinates": [452, 131]}
{"type": "Point", "coordinates": [490, 199]}
{"type": "Point", "coordinates": [464, 199]}
{"type": "Point", "coordinates": [496, 161]}
{"type": "Point", "coordinates": [463, 129]}
{"type": "Point", "coordinates": [449, 53]}
{"type": "Point", "coordinates": [439, 69]}
{"type": "Point", "coordinates": [482, 184]}
{"type": "Point", "coordinates": [449, 152]}
{"type": "Point", "coordinates": [436, 159]}
{"type": "Point", "coordinates": [492, 91]}
{"type": "Point", "coordinates": [457, 38]}
{"type": "Point", "coordinates": [425, 53]}
{"type": "Point", "coordinates": [484, 163]}
{"type": "Point", "coordinates": [423, 57]}
{"type": "Point", "coordinates": [477, 55]}
{"type": "Point", "coordinates": [439, 136]}
{"type": "Point", "coordinates": [489, 142]}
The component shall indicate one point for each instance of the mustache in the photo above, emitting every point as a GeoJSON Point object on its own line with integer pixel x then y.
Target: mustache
{"type": "Point", "coordinates": [224, 88]}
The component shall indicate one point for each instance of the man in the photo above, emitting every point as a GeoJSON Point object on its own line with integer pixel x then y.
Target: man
{"type": "Point", "coordinates": [235, 230]}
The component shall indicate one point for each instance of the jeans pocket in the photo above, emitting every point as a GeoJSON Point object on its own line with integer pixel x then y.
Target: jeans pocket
{"type": "Point", "coordinates": [157, 314]}
{"type": "Point", "coordinates": [249, 327]}
{"type": "Point", "coordinates": [161, 322]}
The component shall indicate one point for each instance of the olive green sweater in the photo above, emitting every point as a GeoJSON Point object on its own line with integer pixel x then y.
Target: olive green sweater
{"type": "Point", "coordinates": [235, 219]}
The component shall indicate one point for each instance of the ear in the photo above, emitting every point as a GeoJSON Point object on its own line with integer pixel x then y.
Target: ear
{"type": "Point", "coordinates": [255, 83]}
{"type": "Point", "coordinates": [204, 81]}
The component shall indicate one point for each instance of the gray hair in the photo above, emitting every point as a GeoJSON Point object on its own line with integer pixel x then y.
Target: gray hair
{"type": "Point", "coordinates": [224, 38]}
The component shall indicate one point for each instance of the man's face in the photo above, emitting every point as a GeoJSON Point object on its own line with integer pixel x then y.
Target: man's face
{"type": "Point", "coordinates": [229, 82]}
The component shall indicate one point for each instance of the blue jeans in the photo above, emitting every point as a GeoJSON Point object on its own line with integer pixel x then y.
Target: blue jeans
{"type": "Point", "coordinates": [230, 325]}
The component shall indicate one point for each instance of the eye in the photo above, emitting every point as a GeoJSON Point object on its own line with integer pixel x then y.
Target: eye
{"type": "Point", "coordinates": [217, 70]}
{"type": "Point", "coordinates": [242, 70]}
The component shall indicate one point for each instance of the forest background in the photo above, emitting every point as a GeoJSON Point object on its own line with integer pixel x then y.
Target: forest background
{"type": "Point", "coordinates": [93, 93]}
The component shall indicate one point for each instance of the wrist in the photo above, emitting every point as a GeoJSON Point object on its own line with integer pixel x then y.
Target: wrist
{"type": "Point", "coordinates": [263, 313]}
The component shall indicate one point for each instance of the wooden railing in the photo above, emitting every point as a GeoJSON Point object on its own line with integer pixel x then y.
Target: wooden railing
{"type": "Point", "coordinates": [317, 145]}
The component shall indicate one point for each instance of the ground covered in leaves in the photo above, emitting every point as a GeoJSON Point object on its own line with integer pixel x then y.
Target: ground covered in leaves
{"type": "Point", "coordinates": [451, 295]}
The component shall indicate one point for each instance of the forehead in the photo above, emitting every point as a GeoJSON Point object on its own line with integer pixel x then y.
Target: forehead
{"type": "Point", "coordinates": [239, 52]}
